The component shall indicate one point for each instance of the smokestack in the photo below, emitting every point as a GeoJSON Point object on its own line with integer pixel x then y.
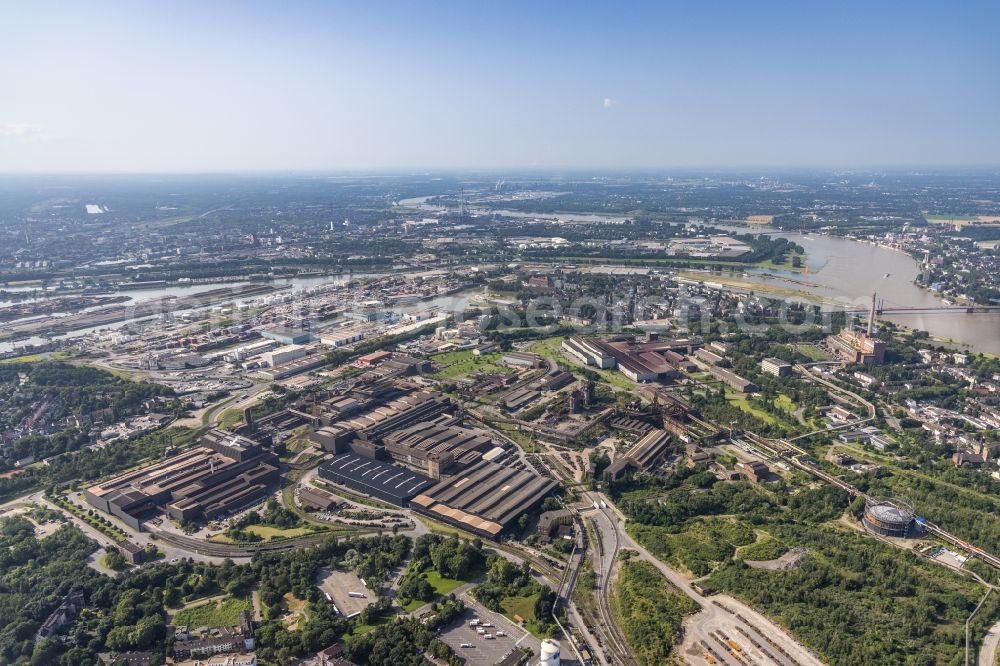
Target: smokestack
{"type": "Point", "coordinates": [871, 318]}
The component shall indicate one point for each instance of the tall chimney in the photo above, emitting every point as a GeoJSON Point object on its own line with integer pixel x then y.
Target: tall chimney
{"type": "Point", "coordinates": [871, 317]}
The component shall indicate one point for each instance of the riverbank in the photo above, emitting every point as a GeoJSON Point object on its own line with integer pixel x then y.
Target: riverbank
{"type": "Point", "coordinates": [841, 271]}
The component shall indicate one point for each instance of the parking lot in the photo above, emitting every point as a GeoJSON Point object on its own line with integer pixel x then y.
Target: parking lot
{"type": "Point", "coordinates": [485, 652]}
{"type": "Point", "coordinates": [338, 584]}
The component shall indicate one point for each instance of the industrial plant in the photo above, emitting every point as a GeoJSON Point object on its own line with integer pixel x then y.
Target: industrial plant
{"type": "Point", "coordinates": [224, 472]}
{"type": "Point", "coordinates": [890, 517]}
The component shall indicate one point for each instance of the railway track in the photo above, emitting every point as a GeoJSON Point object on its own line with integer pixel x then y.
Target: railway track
{"type": "Point", "coordinates": [616, 639]}
{"type": "Point", "coordinates": [232, 550]}
{"type": "Point", "coordinates": [794, 455]}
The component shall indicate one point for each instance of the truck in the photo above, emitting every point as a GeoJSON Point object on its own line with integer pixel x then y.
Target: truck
{"type": "Point", "coordinates": [357, 595]}
{"type": "Point", "coordinates": [596, 506]}
{"type": "Point", "coordinates": [604, 505]}
{"type": "Point", "coordinates": [488, 637]}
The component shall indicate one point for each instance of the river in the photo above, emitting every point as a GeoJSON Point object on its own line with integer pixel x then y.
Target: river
{"type": "Point", "coordinates": [842, 273]}
{"type": "Point", "coordinates": [845, 273]}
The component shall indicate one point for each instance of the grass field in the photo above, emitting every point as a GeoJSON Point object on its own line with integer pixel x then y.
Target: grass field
{"type": "Point", "coordinates": [950, 219]}
{"type": "Point", "coordinates": [461, 363]}
{"type": "Point", "coordinates": [413, 605]}
{"type": "Point", "coordinates": [550, 348]}
{"type": "Point", "coordinates": [813, 352]}
{"type": "Point", "coordinates": [63, 355]}
{"type": "Point", "coordinates": [441, 584]}
{"type": "Point", "coordinates": [440, 528]}
{"type": "Point", "coordinates": [785, 404]}
{"type": "Point", "coordinates": [525, 608]}
{"type": "Point", "coordinates": [268, 532]}
{"type": "Point", "coordinates": [229, 418]}
{"type": "Point", "coordinates": [756, 287]}
{"type": "Point", "coordinates": [360, 629]}
{"type": "Point", "coordinates": [213, 613]}
{"type": "Point", "coordinates": [29, 358]}
{"type": "Point", "coordinates": [787, 266]}
{"type": "Point", "coordinates": [740, 400]}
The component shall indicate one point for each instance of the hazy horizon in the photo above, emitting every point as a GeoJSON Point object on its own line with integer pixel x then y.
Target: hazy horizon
{"type": "Point", "coordinates": [230, 88]}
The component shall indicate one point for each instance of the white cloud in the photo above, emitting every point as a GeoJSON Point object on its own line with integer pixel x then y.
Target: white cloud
{"type": "Point", "coordinates": [23, 133]}
{"type": "Point", "coordinates": [19, 131]}
{"type": "Point", "coordinates": [608, 102]}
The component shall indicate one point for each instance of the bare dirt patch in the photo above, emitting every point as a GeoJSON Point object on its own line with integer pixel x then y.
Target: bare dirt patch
{"type": "Point", "coordinates": [793, 559]}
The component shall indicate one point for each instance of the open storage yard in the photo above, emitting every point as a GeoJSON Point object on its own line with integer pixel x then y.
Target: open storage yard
{"type": "Point", "coordinates": [339, 584]}
{"type": "Point", "coordinates": [485, 652]}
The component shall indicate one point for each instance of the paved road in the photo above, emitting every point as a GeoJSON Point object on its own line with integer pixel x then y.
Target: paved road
{"type": "Point", "coordinates": [988, 650]}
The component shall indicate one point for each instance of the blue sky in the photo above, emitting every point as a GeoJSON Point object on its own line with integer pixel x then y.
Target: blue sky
{"type": "Point", "coordinates": [218, 86]}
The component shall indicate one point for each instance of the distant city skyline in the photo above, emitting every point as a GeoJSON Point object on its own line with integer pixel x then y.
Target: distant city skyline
{"type": "Point", "coordinates": [312, 86]}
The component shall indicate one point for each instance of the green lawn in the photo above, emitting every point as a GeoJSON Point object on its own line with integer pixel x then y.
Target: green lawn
{"type": "Point", "coordinates": [786, 266]}
{"type": "Point", "coordinates": [523, 606]}
{"type": "Point", "coordinates": [740, 400]}
{"type": "Point", "coordinates": [550, 348]}
{"type": "Point", "coordinates": [813, 352]}
{"type": "Point", "coordinates": [785, 404]}
{"type": "Point", "coordinates": [30, 358]}
{"type": "Point", "coordinates": [229, 418]}
{"type": "Point", "coordinates": [213, 613]}
{"type": "Point", "coordinates": [441, 584]}
{"type": "Point", "coordinates": [413, 605]}
{"type": "Point", "coordinates": [268, 532]}
{"type": "Point", "coordinates": [361, 628]}
{"type": "Point", "coordinates": [462, 363]}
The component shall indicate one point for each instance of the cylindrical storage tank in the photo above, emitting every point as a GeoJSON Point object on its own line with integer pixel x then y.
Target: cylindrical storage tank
{"type": "Point", "coordinates": [893, 517]}
{"type": "Point", "coordinates": [550, 653]}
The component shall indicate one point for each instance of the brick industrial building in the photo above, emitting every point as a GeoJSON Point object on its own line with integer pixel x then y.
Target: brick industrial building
{"type": "Point", "coordinates": [223, 473]}
{"type": "Point", "coordinates": [409, 447]}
